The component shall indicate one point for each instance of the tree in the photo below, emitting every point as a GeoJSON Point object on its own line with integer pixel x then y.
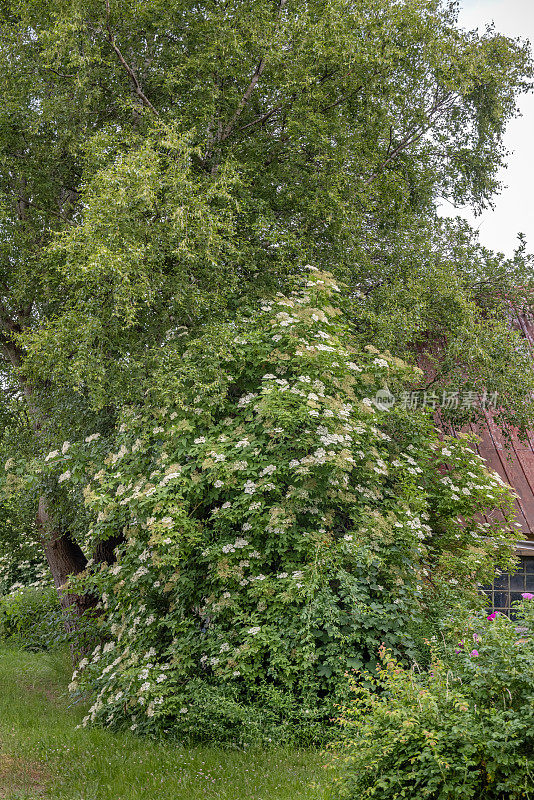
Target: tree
{"type": "Point", "coordinates": [163, 163]}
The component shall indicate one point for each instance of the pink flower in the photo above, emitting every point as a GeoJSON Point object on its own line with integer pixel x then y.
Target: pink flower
{"type": "Point", "coordinates": [527, 596]}
{"type": "Point", "coordinates": [492, 616]}
{"type": "Point", "coordinates": [474, 653]}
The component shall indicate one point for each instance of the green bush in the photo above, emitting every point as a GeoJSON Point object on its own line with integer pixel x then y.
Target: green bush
{"type": "Point", "coordinates": [463, 730]}
{"type": "Point", "coordinates": [279, 525]}
{"type": "Point", "coordinates": [32, 618]}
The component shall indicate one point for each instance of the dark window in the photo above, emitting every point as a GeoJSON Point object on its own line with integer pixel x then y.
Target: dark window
{"type": "Point", "coordinates": [508, 588]}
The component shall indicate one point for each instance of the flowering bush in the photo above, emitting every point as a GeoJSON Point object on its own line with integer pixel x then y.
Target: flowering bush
{"type": "Point", "coordinates": [464, 730]}
{"type": "Point", "coordinates": [278, 526]}
{"type": "Point", "coordinates": [22, 560]}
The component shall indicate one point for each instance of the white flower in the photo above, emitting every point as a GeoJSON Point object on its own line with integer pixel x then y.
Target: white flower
{"type": "Point", "coordinates": [64, 476]}
{"type": "Point", "coordinates": [240, 542]}
{"type": "Point", "coordinates": [254, 631]}
{"type": "Point", "coordinates": [145, 687]}
{"type": "Point", "coordinates": [268, 470]}
{"type": "Point", "coordinates": [92, 438]}
{"type": "Point", "coordinates": [169, 477]}
{"type": "Point", "coordinates": [184, 710]}
{"type": "Point", "coordinates": [250, 487]}
{"type": "Point", "coordinates": [53, 454]}
{"type": "Point", "coordinates": [65, 447]}
{"type": "Point", "coordinates": [218, 484]}
{"type": "Point", "coordinates": [200, 440]}
{"type": "Point", "coordinates": [245, 400]}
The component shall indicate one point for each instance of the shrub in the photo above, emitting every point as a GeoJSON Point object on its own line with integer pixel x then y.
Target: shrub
{"type": "Point", "coordinates": [278, 527]}
{"type": "Point", "coordinates": [463, 730]}
{"type": "Point", "coordinates": [31, 618]}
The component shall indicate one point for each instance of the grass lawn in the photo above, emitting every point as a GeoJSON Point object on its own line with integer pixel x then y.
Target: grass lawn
{"type": "Point", "coordinates": [42, 754]}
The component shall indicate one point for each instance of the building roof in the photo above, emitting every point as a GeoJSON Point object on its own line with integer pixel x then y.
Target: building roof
{"type": "Point", "coordinates": [510, 456]}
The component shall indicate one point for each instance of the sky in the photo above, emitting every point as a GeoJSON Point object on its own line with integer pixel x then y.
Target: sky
{"type": "Point", "coordinates": [514, 206]}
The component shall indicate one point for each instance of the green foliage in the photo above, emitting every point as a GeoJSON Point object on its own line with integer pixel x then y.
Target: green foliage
{"type": "Point", "coordinates": [31, 618]}
{"type": "Point", "coordinates": [164, 166]}
{"type": "Point", "coordinates": [190, 160]}
{"type": "Point", "coordinates": [278, 528]}
{"type": "Point", "coordinates": [22, 561]}
{"type": "Point", "coordinates": [461, 731]}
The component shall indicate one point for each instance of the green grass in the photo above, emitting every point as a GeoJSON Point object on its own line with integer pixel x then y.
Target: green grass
{"type": "Point", "coordinates": [43, 754]}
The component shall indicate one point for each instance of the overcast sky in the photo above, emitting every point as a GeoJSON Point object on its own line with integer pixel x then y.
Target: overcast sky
{"type": "Point", "coordinates": [514, 207]}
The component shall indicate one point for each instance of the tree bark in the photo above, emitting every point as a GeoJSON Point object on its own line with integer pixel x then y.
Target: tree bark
{"type": "Point", "coordinates": [65, 558]}
{"type": "Point", "coordinates": [104, 552]}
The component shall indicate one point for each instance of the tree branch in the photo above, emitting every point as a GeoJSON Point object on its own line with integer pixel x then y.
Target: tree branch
{"type": "Point", "coordinates": [260, 120]}
{"type": "Point", "coordinates": [341, 99]}
{"type": "Point", "coordinates": [131, 73]}
{"type": "Point", "coordinates": [250, 88]}
{"type": "Point", "coordinates": [410, 138]}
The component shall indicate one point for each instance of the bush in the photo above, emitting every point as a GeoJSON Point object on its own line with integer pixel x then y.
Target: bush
{"type": "Point", "coordinates": [32, 618]}
{"type": "Point", "coordinates": [278, 523]}
{"type": "Point", "coordinates": [464, 730]}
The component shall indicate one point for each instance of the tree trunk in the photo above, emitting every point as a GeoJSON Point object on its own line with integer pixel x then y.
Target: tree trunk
{"type": "Point", "coordinates": [65, 558]}
{"type": "Point", "coordinates": [104, 551]}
